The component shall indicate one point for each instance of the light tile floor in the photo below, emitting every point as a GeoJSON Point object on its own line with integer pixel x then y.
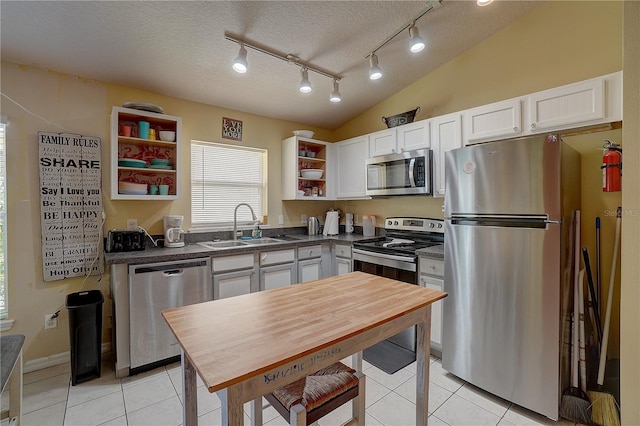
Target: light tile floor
{"type": "Point", "coordinates": [155, 398]}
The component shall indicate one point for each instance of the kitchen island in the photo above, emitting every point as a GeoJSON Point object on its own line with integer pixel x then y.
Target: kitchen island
{"type": "Point", "coordinates": [247, 346]}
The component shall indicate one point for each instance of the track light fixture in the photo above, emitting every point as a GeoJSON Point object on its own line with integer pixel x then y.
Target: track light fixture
{"type": "Point", "coordinates": [484, 2]}
{"type": "Point", "coordinates": [335, 95]}
{"type": "Point", "coordinates": [416, 43]}
{"type": "Point", "coordinates": [240, 64]}
{"type": "Point", "coordinates": [375, 72]}
{"type": "Point", "coordinates": [305, 84]}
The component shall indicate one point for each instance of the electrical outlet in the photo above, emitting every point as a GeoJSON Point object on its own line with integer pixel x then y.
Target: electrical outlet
{"type": "Point", "coordinates": [303, 219]}
{"type": "Point", "coordinates": [280, 219]}
{"type": "Point", "coordinates": [132, 224]}
{"type": "Point", "coordinates": [50, 321]}
{"type": "Point", "coordinates": [356, 219]}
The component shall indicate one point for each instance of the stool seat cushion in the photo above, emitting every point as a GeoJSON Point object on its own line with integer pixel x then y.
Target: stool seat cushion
{"type": "Point", "coordinates": [316, 389]}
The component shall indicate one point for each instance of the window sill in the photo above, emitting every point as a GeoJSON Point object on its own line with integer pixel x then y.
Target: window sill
{"type": "Point", "coordinates": [6, 324]}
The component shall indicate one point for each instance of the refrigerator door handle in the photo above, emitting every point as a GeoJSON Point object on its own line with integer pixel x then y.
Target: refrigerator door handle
{"type": "Point", "coordinates": [502, 222]}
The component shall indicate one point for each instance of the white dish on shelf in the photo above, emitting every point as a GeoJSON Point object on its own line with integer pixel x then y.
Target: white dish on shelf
{"type": "Point", "coordinates": [167, 135]}
{"type": "Point", "coordinates": [304, 133]}
{"type": "Point", "coordinates": [143, 106]}
{"type": "Point", "coordinates": [132, 192]}
{"type": "Point", "coordinates": [311, 173]}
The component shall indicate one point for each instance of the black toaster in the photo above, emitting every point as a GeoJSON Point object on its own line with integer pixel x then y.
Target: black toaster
{"type": "Point", "coordinates": [124, 240]}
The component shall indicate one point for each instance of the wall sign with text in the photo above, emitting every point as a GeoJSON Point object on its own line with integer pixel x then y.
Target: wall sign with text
{"type": "Point", "coordinates": [70, 205]}
{"type": "Point", "coordinates": [231, 129]}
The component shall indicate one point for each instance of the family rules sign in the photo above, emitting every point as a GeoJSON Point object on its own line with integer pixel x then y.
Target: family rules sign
{"type": "Point", "coordinates": [70, 205]}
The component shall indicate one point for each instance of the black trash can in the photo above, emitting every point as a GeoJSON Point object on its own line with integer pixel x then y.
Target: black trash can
{"type": "Point", "coordinates": [85, 334]}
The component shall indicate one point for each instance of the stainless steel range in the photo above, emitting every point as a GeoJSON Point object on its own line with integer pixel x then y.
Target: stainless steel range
{"type": "Point", "coordinates": [394, 256]}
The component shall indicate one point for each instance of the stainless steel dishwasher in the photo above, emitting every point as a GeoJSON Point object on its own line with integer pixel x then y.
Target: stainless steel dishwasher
{"type": "Point", "coordinates": [157, 286]}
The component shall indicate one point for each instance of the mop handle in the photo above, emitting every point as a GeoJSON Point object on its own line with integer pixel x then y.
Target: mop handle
{"type": "Point", "coordinates": [607, 317]}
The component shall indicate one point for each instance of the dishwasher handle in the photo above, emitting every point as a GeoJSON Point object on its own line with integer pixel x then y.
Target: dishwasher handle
{"type": "Point", "coordinates": [169, 268]}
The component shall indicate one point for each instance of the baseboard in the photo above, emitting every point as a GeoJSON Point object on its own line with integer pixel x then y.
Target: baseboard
{"type": "Point", "coordinates": [56, 359]}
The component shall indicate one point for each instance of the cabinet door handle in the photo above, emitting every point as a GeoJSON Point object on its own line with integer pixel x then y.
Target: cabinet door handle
{"type": "Point", "coordinates": [515, 129]}
{"type": "Point", "coordinates": [533, 125]}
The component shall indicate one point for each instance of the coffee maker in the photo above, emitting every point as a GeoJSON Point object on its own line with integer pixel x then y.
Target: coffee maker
{"type": "Point", "coordinates": [173, 233]}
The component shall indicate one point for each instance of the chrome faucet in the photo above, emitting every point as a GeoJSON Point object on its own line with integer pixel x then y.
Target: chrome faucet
{"type": "Point", "coordinates": [235, 219]}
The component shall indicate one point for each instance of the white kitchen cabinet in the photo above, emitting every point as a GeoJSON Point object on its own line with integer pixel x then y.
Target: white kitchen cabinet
{"type": "Point", "coordinates": [446, 134]}
{"type": "Point", "coordinates": [383, 142]}
{"type": "Point", "coordinates": [229, 284]}
{"type": "Point", "coordinates": [277, 269]}
{"type": "Point", "coordinates": [351, 155]}
{"type": "Point", "coordinates": [234, 275]}
{"type": "Point", "coordinates": [133, 147]}
{"type": "Point", "coordinates": [567, 106]}
{"type": "Point", "coordinates": [499, 120]}
{"type": "Point", "coordinates": [342, 260]}
{"type": "Point", "coordinates": [310, 263]}
{"type": "Point", "coordinates": [431, 275]}
{"type": "Point", "coordinates": [413, 136]}
{"type": "Point", "coordinates": [302, 153]}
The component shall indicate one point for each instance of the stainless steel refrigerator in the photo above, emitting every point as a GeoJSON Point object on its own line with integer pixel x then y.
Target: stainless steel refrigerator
{"type": "Point", "coordinates": [508, 214]}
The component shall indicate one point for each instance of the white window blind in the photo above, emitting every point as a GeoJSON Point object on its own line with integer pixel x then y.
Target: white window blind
{"type": "Point", "coordinates": [3, 223]}
{"type": "Point", "coordinates": [223, 176]}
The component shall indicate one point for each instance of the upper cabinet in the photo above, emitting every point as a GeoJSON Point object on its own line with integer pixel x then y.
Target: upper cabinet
{"type": "Point", "coordinates": [351, 155]}
{"type": "Point", "coordinates": [413, 136]}
{"type": "Point", "coordinates": [383, 142]}
{"type": "Point", "coordinates": [446, 134]}
{"type": "Point", "coordinates": [494, 121]}
{"type": "Point", "coordinates": [148, 159]}
{"type": "Point", "coordinates": [567, 105]}
{"type": "Point", "coordinates": [307, 169]}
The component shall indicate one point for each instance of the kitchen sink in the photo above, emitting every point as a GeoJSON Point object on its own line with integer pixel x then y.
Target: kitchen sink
{"type": "Point", "coordinates": [216, 245]}
{"type": "Point", "coordinates": [260, 241]}
{"type": "Point", "coordinates": [221, 244]}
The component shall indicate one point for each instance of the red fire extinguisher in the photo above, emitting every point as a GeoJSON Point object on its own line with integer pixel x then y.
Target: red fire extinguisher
{"type": "Point", "coordinates": [611, 167]}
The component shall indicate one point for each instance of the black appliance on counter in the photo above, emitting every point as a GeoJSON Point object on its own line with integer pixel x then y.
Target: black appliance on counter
{"type": "Point", "coordinates": [394, 256]}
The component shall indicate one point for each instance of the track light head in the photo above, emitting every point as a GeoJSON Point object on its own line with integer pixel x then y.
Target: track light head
{"type": "Point", "coordinates": [335, 95]}
{"type": "Point", "coordinates": [375, 72]}
{"type": "Point", "coordinates": [240, 63]}
{"type": "Point", "coordinates": [484, 2]}
{"type": "Point", "coordinates": [305, 84]}
{"type": "Point", "coordinates": [416, 43]}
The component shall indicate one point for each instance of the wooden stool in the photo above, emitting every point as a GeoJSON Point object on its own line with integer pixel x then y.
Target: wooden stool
{"type": "Point", "coordinates": [306, 400]}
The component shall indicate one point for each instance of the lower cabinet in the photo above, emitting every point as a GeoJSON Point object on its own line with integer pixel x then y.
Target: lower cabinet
{"type": "Point", "coordinates": [431, 272]}
{"type": "Point", "coordinates": [310, 263]}
{"type": "Point", "coordinates": [234, 275]}
{"type": "Point", "coordinates": [277, 269]}
{"type": "Point", "coordinates": [342, 261]}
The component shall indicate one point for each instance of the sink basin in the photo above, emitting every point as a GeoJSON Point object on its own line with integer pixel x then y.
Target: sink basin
{"type": "Point", "coordinates": [259, 241]}
{"type": "Point", "coordinates": [221, 244]}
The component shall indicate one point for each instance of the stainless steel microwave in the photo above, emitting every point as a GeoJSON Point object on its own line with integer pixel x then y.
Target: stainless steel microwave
{"type": "Point", "coordinates": [407, 173]}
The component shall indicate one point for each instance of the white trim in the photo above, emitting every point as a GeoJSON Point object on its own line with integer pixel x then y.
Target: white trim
{"type": "Point", "coordinates": [56, 359]}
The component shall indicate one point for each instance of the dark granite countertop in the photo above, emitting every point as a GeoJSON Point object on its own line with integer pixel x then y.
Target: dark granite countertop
{"type": "Point", "coordinates": [194, 251]}
{"type": "Point", "coordinates": [434, 252]}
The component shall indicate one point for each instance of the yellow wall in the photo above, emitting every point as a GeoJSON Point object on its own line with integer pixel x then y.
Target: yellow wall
{"type": "Point", "coordinates": [558, 43]}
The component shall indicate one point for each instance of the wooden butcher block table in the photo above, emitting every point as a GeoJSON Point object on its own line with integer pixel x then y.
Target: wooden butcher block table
{"type": "Point", "coordinates": [246, 346]}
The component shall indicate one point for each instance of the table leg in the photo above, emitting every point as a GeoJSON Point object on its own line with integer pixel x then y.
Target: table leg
{"type": "Point", "coordinates": [423, 352]}
{"type": "Point", "coordinates": [256, 412]}
{"type": "Point", "coordinates": [15, 391]}
{"type": "Point", "coordinates": [231, 401]}
{"type": "Point", "coordinates": [189, 392]}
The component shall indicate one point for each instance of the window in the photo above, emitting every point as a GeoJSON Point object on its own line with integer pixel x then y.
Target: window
{"type": "Point", "coordinates": [3, 215]}
{"type": "Point", "coordinates": [223, 176]}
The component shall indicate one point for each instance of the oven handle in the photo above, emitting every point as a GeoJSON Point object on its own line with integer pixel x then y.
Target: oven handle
{"type": "Point", "coordinates": [412, 180]}
{"type": "Point", "coordinates": [406, 263]}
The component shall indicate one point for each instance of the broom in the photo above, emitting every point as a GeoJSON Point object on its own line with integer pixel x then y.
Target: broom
{"type": "Point", "coordinates": [604, 411]}
{"type": "Point", "coordinates": [575, 404]}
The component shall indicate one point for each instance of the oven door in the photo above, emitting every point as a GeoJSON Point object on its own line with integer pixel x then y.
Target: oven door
{"type": "Point", "coordinates": [398, 350]}
{"type": "Point", "coordinates": [397, 267]}
{"type": "Point", "coordinates": [400, 174]}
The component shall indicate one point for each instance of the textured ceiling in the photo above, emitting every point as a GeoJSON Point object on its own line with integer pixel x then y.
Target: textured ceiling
{"type": "Point", "coordinates": [179, 49]}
